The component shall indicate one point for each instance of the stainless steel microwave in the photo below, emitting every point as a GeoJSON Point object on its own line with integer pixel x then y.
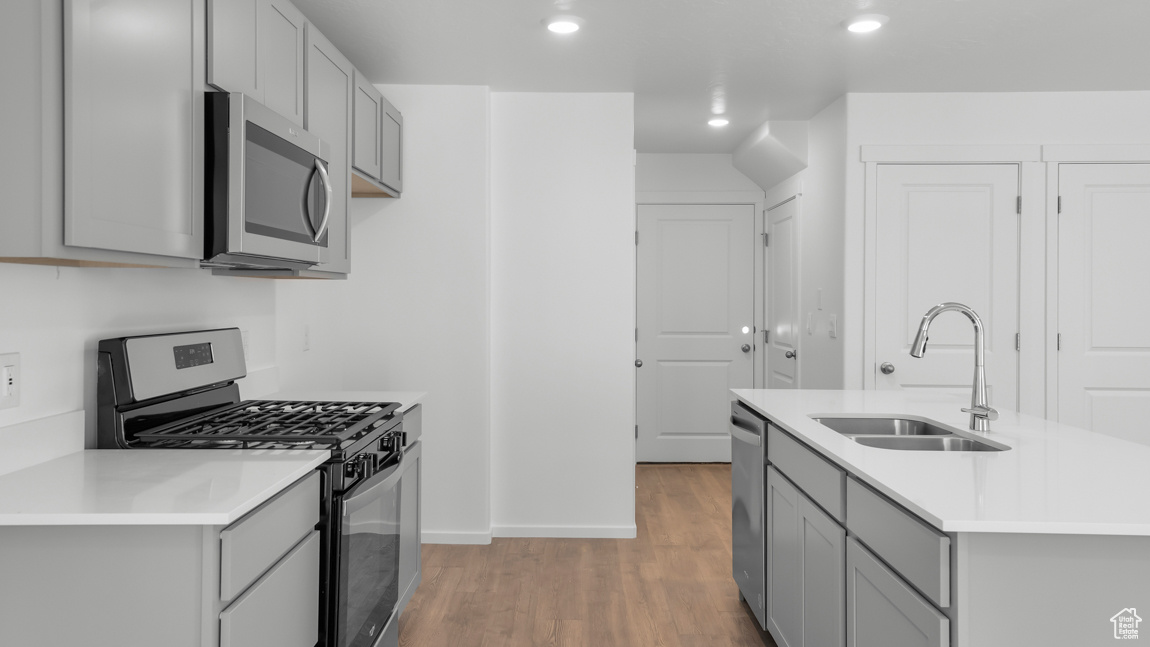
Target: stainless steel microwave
{"type": "Point", "coordinates": [268, 196]}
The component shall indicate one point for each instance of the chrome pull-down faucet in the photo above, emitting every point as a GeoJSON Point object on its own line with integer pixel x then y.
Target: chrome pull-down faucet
{"type": "Point", "coordinates": [981, 413]}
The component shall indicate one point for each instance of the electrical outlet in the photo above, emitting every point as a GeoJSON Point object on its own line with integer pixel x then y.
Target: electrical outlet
{"type": "Point", "coordinates": [306, 337]}
{"type": "Point", "coordinates": [9, 380]}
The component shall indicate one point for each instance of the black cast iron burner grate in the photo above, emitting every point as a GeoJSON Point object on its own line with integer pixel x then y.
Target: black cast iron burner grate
{"type": "Point", "coordinates": [277, 421]}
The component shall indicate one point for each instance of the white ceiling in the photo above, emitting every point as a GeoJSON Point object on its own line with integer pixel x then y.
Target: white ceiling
{"type": "Point", "coordinates": [754, 59]}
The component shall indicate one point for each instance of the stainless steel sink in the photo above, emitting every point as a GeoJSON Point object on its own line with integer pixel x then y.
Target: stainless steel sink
{"type": "Point", "coordinates": [883, 427]}
{"type": "Point", "coordinates": [926, 443]}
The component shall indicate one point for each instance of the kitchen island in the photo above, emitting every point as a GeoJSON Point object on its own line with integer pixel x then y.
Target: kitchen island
{"type": "Point", "coordinates": [1045, 543]}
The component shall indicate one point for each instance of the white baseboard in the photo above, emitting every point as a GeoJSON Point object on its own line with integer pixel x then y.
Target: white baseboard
{"type": "Point", "coordinates": [566, 532]}
{"type": "Point", "coordinates": [441, 537]}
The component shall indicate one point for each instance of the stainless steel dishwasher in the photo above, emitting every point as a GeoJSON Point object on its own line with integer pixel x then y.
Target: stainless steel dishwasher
{"type": "Point", "coordinates": [748, 517]}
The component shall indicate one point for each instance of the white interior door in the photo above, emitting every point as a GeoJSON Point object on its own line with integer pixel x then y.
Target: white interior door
{"type": "Point", "coordinates": [1104, 298]}
{"type": "Point", "coordinates": [947, 232]}
{"type": "Point", "coordinates": [783, 295]}
{"type": "Point", "coordinates": [695, 315]}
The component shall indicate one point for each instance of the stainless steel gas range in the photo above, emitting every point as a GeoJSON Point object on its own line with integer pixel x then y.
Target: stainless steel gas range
{"type": "Point", "coordinates": [179, 391]}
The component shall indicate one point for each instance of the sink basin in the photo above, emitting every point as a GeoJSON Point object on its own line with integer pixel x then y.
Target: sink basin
{"type": "Point", "coordinates": [883, 427]}
{"type": "Point", "coordinates": [926, 443]}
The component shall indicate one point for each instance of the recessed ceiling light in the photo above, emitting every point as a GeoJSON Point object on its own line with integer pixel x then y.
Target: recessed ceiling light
{"type": "Point", "coordinates": [718, 122]}
{"type": "Point", "coordinates": [866, 22]}
{"type": "Point", "coordinates": [563, 24]}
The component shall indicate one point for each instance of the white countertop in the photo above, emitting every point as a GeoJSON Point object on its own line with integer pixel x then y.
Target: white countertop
{"type": "Point", "coordinates": [1055, 479]}
{"type": "Point", "coordinates": [150, 486]}
{"type": "Point", "coordinates": [406, 399]}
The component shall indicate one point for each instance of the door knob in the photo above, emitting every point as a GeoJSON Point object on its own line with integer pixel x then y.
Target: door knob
{"type": "Point", "coordinates": [887, 368]}
{"type": "Point", "coordinates": [746, 348]}
{"type": "Point", "coordinates": [791, 354]}
{"type": "Point", "coordinates": [638, 363]}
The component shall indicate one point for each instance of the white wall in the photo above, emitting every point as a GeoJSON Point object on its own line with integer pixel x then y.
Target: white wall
{"type": "Point", "coordinates": [563, 315]}
{"type": "Point", "coordinates": [54, 317]}
{"type": "Point", "coordinates": [689, 172]}
{"type": "Point", "coordinates": [415, 312]}
{"type": "Point", "coordinates": [965, 119]}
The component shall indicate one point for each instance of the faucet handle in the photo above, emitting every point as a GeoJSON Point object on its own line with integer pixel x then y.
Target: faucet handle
{"type": "Point", "coordinates": [989, 413]}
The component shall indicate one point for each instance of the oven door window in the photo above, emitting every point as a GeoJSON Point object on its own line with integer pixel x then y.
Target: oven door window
{"type": "Point", "coordinates": [369, 559]}
{"type": "Point", "coordinates": [283, 193]}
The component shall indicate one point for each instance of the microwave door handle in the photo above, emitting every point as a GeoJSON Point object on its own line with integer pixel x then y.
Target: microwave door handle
{"type": "Point", "coordinates": [308, 226]}
{"type": "Point", "coordinates": [326, 201]}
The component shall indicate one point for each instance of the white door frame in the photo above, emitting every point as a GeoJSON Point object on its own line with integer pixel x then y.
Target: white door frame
{"type": "Point", "coordinates": [1052, 156]}
{"type": "Point", "coordinates": [719, 197]}
{"type": "Point", "coordinates": [1033, 287]}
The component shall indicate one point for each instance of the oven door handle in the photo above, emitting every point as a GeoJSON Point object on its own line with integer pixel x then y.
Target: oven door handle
{"type": "Point", "coordinates": [361, 495]}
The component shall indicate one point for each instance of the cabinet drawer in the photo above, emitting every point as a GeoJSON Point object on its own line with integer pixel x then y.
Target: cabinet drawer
{"type": "Point", "coordinates": [281, 610]}
{"type": "Point", "coordinates": [822, 481]}
{"type": "Point", "coordinates": [882, 611]}
{"type": "Point", "coordinates": [916, 550]}
{"type": "Point", "coordinates": [255, 542]}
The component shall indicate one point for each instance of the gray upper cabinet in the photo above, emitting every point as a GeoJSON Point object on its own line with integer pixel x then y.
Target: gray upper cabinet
{"type": "Point", "coordinates": [883, 611]}
{"type": "Point", "coordinates": [257, 47]}
{"type": "Point", "coordinates": [805, 569]}
{"type": "Point", "coordinates": [368, 115]}
{"type": "Point", "coordinates": [391, 148]}
{"type": "Point", "coordinates": [377, 149]}
{"type": "Point", "coordinates": [330, 81]}
{"type": "Point", "coordinates": [133, 126]}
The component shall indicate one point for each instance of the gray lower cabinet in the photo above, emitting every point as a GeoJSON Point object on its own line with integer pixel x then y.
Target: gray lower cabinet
{"type": "Point", "coordinates": [254, 583]}
{"type": "Point", "coordinates": [410, 524]}
{"type": "Point", "coordinates": [884, 611]}
{"type": "Point", "coordinates": [805, 569]}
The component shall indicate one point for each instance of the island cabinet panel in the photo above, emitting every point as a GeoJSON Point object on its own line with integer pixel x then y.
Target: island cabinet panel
{"type": "Point", "coordinates": [821, 480]}
{"type": "Point", "coordinates": [806, 569]}
{"type": "Point", "coordinates": [920, 553]}
{"type": "Point", "coordinates": [883, 611]}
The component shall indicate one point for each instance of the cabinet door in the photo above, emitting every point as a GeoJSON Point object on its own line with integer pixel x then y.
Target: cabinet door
{"type": "Point", "coordinates": [883, 611]}
{"type": "Point", "coordinates": [824, 577]}
{"type": "Point", "coordinates": [232, 46]}
{"type": "Point", "coordinates": [805, 570]}
{"type": "Point", "coordinates": [330, 82]}
{"type": "Point", "coordinates": [134, 125]}
{"type": "Point", "coordinates": [410, 525]}
{"type": "Point", "coordinates": [391, 147]}
{"type": "Point", "coordinates": [784, 561]}
{"type": "Point", "coordinates": [280, 39]}
{"type": "Point", "coordinates": [368, 111]}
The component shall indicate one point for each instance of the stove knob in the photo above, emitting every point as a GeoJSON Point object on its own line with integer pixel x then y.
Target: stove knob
{"type": "Point", "coordinates": [352, 469]}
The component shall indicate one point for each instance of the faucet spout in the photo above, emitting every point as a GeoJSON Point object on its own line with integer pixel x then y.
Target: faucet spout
{"type": "Point", "coordinates": [980, 410]}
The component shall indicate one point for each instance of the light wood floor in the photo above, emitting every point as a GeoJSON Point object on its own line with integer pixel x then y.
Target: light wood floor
{"type": "Point", "coordinates": [670, 587]}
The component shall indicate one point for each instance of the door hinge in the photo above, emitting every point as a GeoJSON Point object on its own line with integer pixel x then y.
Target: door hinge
{"type": "Point", "coordinates": [1059, 204]}
{"type": "Point", "coordinates": [766, 336]}
{"type": "Point", "coordinates": [636, 432]}
{"type": "Point", "coordinates": [766, 240]}
{"type": "Point", "coordinates": [636, 238]}
{"type": "Point", "coordinates": [636, 334]}
{"type": "Point", "coordinates": [1059, 342]}
{"type": "Point", "coordinates": [1017, 341]}
{"type": "Point", "coordinates": [1018, 206]}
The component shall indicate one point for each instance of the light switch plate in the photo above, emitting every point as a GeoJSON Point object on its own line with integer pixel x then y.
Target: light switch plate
{"type": "Point", "coordinates": [9, 380]}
